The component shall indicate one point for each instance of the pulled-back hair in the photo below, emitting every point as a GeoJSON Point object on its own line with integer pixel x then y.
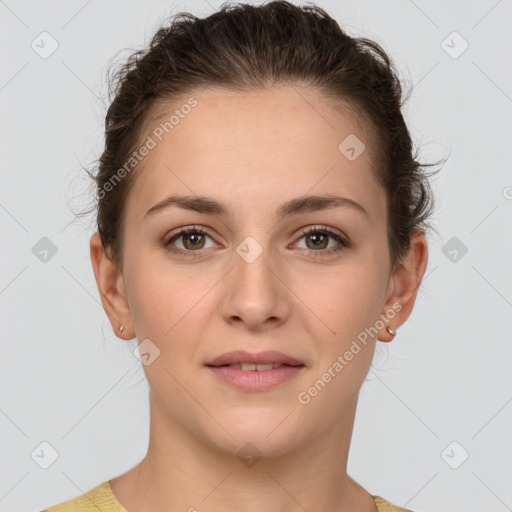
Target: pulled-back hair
{"type": "Point", "coordinates": [243, 47]}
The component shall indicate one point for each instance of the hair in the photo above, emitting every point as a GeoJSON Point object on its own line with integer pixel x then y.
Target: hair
{"type": "Point", "coordinates": [244, 47]}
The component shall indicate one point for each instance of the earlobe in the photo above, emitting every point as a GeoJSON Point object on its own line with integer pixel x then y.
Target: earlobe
{"type": "Point", "coordinates": [406, 279]}
{"type": "Point", "coordinates": [111, 288]}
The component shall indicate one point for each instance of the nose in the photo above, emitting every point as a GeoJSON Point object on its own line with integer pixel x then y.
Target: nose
{"type": "Point", "coordinates": [255, 293]}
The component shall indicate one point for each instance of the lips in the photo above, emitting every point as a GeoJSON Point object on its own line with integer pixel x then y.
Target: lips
{"type": "Point", "coordinates": [255, 372]}
{"type": "Point", "coordinates": [247, 361]}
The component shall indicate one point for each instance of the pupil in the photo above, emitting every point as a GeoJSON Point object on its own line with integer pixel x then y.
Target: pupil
{"type": "Point", "coordinates": [193, 239]}
{"type": "Point", "coordinates": [317, 239]}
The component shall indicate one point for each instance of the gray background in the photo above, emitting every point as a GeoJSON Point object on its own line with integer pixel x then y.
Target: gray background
{"type": "Point", "coordinates": [67, 380]}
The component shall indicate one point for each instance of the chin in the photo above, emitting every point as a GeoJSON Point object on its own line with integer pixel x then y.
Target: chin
{"type": "Point", "coordinates": [256, 437]}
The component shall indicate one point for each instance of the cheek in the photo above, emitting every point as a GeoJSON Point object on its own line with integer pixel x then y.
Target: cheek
{"type": "Point", "coordinates": [168, 310]}
{"type": "Point", "coordinates": [343, 305]}
{"type": "Point", "coordinates": [152, 305]}
{"type": "Point", "coordinates": [341, 301]}
{"type": "Point", "coordinates": [156, 299]}
{"type": "Point", "coordinates": [168, 306]}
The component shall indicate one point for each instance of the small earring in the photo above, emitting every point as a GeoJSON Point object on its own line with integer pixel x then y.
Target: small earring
{"type": "Point", "coordinates": [121, 328]}
{"type": "Point", "coordinates": [391, 331]}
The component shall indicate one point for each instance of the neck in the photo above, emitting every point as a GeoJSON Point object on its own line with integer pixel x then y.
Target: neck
{"type": "Point", "coordinates": [182, 472]}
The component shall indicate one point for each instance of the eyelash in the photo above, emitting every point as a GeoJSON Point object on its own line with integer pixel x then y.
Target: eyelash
{"type": "Point", "coordinates": [344, 242]}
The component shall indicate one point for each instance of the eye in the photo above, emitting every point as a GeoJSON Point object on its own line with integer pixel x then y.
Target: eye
{"type": "Point", "coordinates": [193, 240]}
{"type": "Point", "coordinates": [319, 240]}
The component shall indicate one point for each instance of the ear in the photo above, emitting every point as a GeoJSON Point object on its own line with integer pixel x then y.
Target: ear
{"type": "Point", "coordinates": [404, 284]}
{"type": "Point", "coordinates": [111, 288]}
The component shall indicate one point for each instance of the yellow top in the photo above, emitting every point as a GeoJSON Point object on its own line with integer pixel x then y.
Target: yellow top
{"type": "Point", "coordinates": [102, 498]}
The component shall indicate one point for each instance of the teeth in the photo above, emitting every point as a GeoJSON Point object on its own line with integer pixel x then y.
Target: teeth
{"type": "Point", "coordinates": [251, 366]}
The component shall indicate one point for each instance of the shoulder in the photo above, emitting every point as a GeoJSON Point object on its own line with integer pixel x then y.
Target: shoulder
{"type": "Point", "coordinates": [385, 506]}
{"type": "Point", "coordinates": [102, 498]}
{"type": "Point", "coordinates": [98, 498]}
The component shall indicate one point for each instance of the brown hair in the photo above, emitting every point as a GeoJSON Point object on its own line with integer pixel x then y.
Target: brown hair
{"type": "Point", "coordinates": [243, 47]}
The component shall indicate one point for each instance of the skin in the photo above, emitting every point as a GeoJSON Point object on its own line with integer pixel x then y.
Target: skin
{"type": "Point", "coordinates": [253, 151]}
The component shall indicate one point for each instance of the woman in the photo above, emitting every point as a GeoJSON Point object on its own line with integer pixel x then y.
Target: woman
{"type": "Point", "coordinates": [261, 224]}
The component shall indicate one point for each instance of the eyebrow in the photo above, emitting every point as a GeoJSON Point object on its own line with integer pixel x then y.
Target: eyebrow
{"type": "Point", "coordinates": [305, 204]}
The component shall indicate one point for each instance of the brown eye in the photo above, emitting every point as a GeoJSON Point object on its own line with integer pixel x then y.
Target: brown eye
{"type": "Point", "coordinates": [192, 240]}
{"type": "Point", "coordinates": [317, 241]}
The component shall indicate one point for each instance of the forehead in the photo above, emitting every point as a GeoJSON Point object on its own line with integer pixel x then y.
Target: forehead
{"type": "Point", "coordinates": [255, 147]}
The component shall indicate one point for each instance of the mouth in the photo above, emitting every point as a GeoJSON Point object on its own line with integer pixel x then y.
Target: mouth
{"type": "Point", "coordinates": [255, 372]}
{"type": "Point", "coordinates": [261, 361]}
{"type": "Point", "coordinates": [261, 367]}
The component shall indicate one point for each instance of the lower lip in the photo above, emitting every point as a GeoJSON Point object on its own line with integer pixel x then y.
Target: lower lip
{"type": "Point", "coordinates": [254, 380]}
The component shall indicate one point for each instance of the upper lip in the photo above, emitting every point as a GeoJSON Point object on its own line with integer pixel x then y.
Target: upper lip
{"type": "Point", "coordinates": [266, 357]}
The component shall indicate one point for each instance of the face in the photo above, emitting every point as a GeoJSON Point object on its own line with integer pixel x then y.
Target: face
{"type": "Point", "coordinates": [248, 276]}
